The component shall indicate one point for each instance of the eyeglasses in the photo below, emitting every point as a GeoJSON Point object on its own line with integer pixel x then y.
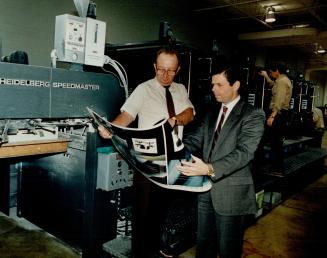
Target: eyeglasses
{"type": "Point", "coordinates": [162, 71]}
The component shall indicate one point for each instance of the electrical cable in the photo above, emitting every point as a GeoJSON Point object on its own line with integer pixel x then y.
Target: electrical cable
{"type": "Point", "coordinates": [121, 72]}
{"type": "Point", "coordinates": [54, 58]}
{"type": "Point", "coordinates": [122, 75]}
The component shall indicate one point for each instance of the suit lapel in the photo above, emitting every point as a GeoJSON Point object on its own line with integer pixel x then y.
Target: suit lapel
{"type": "Point", "coordinates": [211, 122]}
{"type": "Point", "coordinates": [229, 123]}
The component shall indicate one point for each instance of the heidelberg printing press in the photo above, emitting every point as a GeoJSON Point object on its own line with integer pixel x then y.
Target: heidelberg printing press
{"type": "Point", "coordinates": [57, 187]}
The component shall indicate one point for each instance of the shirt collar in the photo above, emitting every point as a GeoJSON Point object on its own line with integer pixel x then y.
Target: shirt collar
{"type": "Point", "coordinates": [231, 105]}
{"type": "Point", "coordinates": [171, 87]}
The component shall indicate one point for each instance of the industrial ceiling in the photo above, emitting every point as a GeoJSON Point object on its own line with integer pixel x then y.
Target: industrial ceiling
{"type": "Point", "coordinates": [300, 24]}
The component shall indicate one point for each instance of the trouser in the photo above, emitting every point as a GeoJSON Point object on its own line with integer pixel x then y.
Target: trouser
{"type": "Point", "coordinates": [276, 134]}
{"type": "Point", "coordinates": [218, 234]}
{"type": "Point", "coordinates": [150, 207]}
{"type": "Point", "coordinates": [317, 134]}
{"type": "Point", "coordinates": [147, 217]}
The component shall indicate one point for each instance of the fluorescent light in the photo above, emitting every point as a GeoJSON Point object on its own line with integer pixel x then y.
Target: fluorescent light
{"type": "Point", "coordinates": [301, 25]}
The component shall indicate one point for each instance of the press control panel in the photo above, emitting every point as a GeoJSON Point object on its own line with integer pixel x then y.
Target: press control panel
{"type": "Point", "coordinates": [113, 172]}
{"type": "Point", "coordinates": [80, 40]}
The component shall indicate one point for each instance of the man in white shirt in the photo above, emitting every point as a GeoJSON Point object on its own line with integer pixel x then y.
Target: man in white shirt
{"type": "Point", "coordinates": [148, 103]}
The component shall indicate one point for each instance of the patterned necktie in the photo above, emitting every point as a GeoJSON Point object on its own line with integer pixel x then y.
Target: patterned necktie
{"type": "Point", "coordinates": [217, 132]}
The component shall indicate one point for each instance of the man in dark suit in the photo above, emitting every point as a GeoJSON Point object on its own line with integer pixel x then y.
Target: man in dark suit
{"type": "Point", "coordinates": [226, 159]}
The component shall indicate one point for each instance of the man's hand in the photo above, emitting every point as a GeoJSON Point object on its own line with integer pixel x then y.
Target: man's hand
{"type": "Point", "coordinates": [270, 121]}
{"type": "Point", "coordinates": [172, 121]}
{"type": "Point", "coordinates": [194, 168]}
{"type": "Point", "coordinates": [104, 133]}
{"type": "Point", "coordinates": [263, 73]}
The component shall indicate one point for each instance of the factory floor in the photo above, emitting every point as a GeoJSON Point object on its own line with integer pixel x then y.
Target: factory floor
{"type": "Point", "coordinates": [294, 228]}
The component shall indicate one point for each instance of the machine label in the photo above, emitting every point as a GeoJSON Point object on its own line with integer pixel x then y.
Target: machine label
{"type": "Point", "coordinates": [79, 86]}
{"type": "Point", "coordinates": [47, 84]}
{"type": "Point", "coordinates": [23, 82]}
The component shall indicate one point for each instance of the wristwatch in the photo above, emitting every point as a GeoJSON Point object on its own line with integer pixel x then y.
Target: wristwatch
{"type": "Point", "coordinates": [210, 172]}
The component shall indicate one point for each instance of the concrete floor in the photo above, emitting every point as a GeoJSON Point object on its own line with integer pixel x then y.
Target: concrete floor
{"type": "Point", "coordinates": [21, 239]}
{"type": "Point", "coordinates": [295, 228]}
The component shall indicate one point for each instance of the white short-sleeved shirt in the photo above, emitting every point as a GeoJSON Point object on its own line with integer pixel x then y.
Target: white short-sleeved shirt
{"type": "Point", "coordinates": [148, 101]}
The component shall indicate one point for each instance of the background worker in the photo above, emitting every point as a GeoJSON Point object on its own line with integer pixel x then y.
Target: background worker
{"type": "Point", "coordinates": [318, 127]}
{"type": "Point", "coordinates": [278, 116]}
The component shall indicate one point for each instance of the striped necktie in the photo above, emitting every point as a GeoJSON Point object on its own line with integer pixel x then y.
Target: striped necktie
{"type": "Point", "coordinates": [217, 132]}
{"type": "Point", "coordinates": [221, 121]}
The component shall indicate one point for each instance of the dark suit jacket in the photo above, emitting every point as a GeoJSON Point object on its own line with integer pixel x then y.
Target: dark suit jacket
{"type": "Point", "coordinates": [233, 189]}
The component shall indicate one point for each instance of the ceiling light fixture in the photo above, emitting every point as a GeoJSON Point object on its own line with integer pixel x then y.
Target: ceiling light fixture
{"type": "Point", "coordinates": [321, 50]}
{"type": "Point", "coordinates": [270, 14]}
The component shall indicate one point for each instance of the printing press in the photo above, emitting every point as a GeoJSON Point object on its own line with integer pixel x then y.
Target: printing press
{"type": "Point", "coordinates": [47, 138]}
